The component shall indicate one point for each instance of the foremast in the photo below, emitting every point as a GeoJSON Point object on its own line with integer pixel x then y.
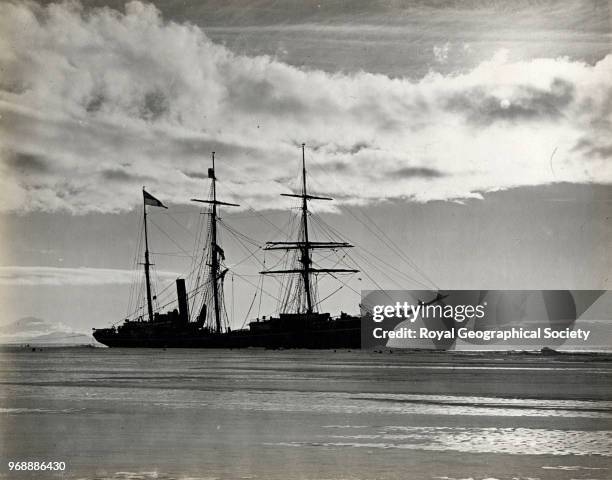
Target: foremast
{"type": "Point", "coordinates": [305, 246]}
{"type": "Point", "coordinates": [216, 276]}
{"type": "Point", "coordinates": [147, 263]}
{"type": "Point", "coordinates": [148, 199]}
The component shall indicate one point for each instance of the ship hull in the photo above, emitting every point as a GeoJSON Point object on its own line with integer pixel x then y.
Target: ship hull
{"type": "Point", "coordinates": [349, 337]}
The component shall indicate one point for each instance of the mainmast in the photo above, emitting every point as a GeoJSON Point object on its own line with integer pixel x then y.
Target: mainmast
{"type": "Point", "coordinates": [216, 276]}
{"type": "Point", "coordinates": [304, 245]}
{"type": "Point", "coordinates": [305, 258]}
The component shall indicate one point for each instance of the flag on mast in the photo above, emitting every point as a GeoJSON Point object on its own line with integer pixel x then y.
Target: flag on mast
{"type": "Point", "coordinates": [151, 200]}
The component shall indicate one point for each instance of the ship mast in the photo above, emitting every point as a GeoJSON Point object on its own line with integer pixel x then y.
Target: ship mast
{"type": "Point", "coordinates": [215, 264]}
{"type": "Point", "coordinates": [148, 199]}
{"type": "Point", "coordinates": [304, 245]}
{"type": "Point", "coordinates": [305, 258]}
{"type": "Point", "coordinates": [147, 263]}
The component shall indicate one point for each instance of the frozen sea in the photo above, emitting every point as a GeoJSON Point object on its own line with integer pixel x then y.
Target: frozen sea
{"type": "Point", "coordinates": [257, 414]}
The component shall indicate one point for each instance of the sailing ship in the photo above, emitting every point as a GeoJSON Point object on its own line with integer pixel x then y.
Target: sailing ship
{"type": "Point", "coordinates": [299, 324]}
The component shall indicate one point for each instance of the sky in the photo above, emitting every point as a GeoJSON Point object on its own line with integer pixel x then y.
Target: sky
{"type": "Point", "coordinates": [475, 134]}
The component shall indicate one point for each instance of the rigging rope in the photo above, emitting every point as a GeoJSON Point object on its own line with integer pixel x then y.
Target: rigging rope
{"type": "Point", "coordinates": [397, 250]}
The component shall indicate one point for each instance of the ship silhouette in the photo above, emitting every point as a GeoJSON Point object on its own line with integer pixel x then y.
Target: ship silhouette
{"type": "Point", "coordinates": [299, 324]}
{"type": "Point", "coordinates": [201, 319]}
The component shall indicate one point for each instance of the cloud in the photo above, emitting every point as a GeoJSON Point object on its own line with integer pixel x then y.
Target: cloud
{"type": "Point", "coordinates": [27, 163]}
{"type": "Point", "coordinates": [123, 174]}
{"type": "Point", "coordinates": [593, 148]}
{"type": "Point", "coordinates": [526, 103]}
{"type": "Point", "coordinates": [411, 172]}
{"type": "Point", "coordinates": [33, 326]}
{"type": "Point", "coordinates": [57, 276]}
{"type": "Point", "coordinates": [36, 330]}
{"type": "Point", "coordinates": [441, 52]}
{"type": "Point", "coordinates": [24, 325]}
{"type": "Point", "coordinates": [96, 102]}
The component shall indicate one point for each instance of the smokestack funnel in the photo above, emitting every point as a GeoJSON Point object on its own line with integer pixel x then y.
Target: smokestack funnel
{"type": "Point", "coordinates": [181, 294]}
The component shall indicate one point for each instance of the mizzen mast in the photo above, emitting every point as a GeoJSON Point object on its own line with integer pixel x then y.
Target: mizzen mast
{"type": "Point", "coordinates": [304, 245]}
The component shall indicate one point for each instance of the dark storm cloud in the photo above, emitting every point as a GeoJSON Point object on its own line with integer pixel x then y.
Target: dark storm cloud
{"type": "Point", "coordinates": [525, 103]}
